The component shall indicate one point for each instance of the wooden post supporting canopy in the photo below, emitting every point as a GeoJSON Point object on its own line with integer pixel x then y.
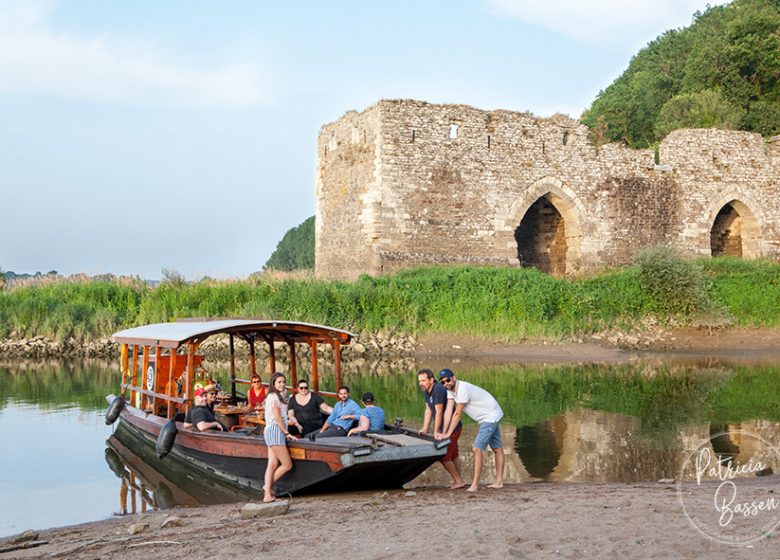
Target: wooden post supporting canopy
{"type": "Point", "coordinates": [153, 388]}
{"type": "Point", "coordinates": [252, 364]}
{"type": "Point", "coordinates": [171, 385]}
{"type": "Point", "coordinates": [271, 356]}
{"type": "Point", "coordinates": [133, 392]}
{"type": "Point", "coordinates": [293, 365]}
{"type": "Point", "coordinates": [315, 374]}
{"type": "Point", "coordinates": [143, 376]}
{"type": "Point", "coordinates": [232, 368]}
{"type": "Point", "coordinates": [125, 360]}
{"type": "Point", "coordinates": [336, 345]}
{"type": "Point", "coordinates": [188, 379]}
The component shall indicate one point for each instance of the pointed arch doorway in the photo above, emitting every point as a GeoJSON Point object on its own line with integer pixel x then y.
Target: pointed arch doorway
{"type": "Point", "coordinates": [544, 236]}
{"type": "Point", "coordinates": [735, 232]}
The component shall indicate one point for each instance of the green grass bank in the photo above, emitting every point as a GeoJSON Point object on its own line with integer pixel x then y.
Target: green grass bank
{"type": "Point", "coordinates": [504, 303]}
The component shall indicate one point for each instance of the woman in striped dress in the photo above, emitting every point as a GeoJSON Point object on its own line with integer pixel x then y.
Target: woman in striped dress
{"type": "Point", "coordinates": [276, 434]}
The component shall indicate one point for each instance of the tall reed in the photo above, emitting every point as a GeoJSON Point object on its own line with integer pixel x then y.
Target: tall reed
{"type": "Point", "coordinates": [511, 303]}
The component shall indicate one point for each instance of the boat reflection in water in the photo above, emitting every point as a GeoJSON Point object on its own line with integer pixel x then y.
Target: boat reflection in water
{"type": "Point", "coordinates": [150, 484]}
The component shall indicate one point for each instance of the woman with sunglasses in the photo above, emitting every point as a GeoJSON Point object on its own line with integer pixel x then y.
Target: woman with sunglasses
{"type": "Point", "coordinates": [256, 394]}
{"type": "Point", "coordinates": [305, 410]}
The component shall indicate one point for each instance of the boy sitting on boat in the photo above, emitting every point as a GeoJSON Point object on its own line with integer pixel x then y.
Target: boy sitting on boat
{"type": "Point", "coordinates": [372, 418]}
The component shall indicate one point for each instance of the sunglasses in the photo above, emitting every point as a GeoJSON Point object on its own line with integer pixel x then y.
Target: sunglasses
{"type": "Point", "coordinates": [302, 387]}
{"type": "Point", "coordinates": [255, 382]}
{"type": "Point", "coordinates": [445, 380]}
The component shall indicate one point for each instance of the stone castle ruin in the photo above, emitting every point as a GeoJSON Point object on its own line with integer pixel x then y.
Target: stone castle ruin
{"type": "Point", "coordinates": [405, 183]}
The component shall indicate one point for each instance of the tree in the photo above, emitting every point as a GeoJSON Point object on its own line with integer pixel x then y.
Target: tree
{"type": "Point", "coordinates": [296, 249]}
{"type": "Point", "coordinates": [723, 69]}
{"type": "Point", "coordinates": [704, 109]}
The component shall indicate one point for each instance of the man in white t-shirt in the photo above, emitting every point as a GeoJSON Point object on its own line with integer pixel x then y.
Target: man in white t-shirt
{"type": "Point", "coordinates": [481, 407]}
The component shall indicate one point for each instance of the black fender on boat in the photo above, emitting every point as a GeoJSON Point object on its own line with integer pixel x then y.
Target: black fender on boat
{"type": "Point", "coordinates": [166, 438]}
{"type": "Point", "coordinates": [164, 496]}
{"type": "Point", "coordinates": [115, 462]}
{"type": "Point", "coordinates": [114, 409]}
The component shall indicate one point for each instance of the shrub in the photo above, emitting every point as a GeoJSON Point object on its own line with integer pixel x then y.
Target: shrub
{"type": "Point", "coordinates": [674, 285]}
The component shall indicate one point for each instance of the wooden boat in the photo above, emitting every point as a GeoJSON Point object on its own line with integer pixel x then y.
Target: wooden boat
{"type": "Point", "coordinates": [153, 400]}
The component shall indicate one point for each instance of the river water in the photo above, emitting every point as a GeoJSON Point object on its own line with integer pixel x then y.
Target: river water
{"type": "Point", "coordinates": [575, 423]}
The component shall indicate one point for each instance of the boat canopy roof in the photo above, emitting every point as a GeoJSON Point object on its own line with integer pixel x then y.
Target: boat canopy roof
{"type": "Point", "coordinates": [173, 335]}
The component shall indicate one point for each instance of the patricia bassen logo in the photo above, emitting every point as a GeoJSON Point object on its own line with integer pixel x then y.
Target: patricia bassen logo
{"type": "Point", "coordinates": [725, 491]}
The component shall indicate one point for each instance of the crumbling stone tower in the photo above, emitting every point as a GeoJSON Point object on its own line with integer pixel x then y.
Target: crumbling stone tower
{"type": "Point", "coordinates": [407, 182]}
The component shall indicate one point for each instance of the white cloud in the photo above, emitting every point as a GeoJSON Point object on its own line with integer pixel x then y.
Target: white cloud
{"type": "Point", "coordinates": [602, 21]}
{"type": "Point", "coordinates": [36, 59]}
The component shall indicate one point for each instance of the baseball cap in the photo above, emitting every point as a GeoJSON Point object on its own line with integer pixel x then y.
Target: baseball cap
{"type": "Point", "coordinates": [445, 373]}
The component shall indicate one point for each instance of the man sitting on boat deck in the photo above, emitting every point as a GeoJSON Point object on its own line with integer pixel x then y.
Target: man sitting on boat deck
{"type": "Point", "coordinates": [372, 418]}
{"type": "Point", "coordinates": [345, 412]}
{"type": "Point", "coordinates": [211, 389]}
{"type": "Point", "coordinates": [200, 416]}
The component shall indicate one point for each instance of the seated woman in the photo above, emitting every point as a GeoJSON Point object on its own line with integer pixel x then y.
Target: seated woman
{"type": "Point", "coordinates": [305, 410]}
{"type": "Point", "coordinates": [256, 394]}
{"type": "Point", "coordinates": [372, 419]}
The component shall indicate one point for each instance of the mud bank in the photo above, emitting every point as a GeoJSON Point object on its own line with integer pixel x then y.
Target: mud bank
{"type": "Point", "coordinates": [538, 520]}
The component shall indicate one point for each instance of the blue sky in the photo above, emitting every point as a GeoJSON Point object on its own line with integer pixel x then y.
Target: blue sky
{"type": "Point", "coordinates": [182, 134]}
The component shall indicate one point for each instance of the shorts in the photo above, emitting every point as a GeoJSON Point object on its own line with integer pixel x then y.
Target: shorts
{"type": "Point", "coordinates": [452, 449]}
{"type": "Point", "coordinates": [489, 434]}
{"type": "Point", "coordinates": [274, 435]}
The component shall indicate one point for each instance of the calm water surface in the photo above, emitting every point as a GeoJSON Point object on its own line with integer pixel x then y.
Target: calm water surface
{"type": "Point", "coordinates": [623, 423]}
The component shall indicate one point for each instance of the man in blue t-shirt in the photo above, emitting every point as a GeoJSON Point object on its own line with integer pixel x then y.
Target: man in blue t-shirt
{"type": "Point", "coordinates": [372, 418]}
{"type": "Point", "coordinates": [439, 408]}
{"type": "Point", "coordinates": [345, 412]}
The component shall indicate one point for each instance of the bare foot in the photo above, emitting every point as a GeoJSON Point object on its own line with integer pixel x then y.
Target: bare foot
{"type": "Point", "coordinates": [496, 485]}
{"type": "Point", "coordinates": [472, 488]}
{"type": "Point", "coordinates": [454, 486]}
{"type": "Point", "coordinates": [268, 501]}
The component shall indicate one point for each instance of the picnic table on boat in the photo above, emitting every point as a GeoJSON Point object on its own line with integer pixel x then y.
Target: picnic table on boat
{"type": "Point", "coordinates": [230, 415]}
{"type": "Point", "coordinates": [255, 418]}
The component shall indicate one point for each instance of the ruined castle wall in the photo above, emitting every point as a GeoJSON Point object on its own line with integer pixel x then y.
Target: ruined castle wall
{"type": "Point", "coordinates": [407, 182]}
{"type": "Point", "coordinates": [716, 167]}
{"type": "Point", "coordinates": [460, 199]}
{"type": "Point", "coordinates": [348, 189]}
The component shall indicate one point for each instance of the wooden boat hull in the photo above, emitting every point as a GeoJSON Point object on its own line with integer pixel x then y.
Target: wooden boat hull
{"type": "Point", "coordinates": [239, 460]}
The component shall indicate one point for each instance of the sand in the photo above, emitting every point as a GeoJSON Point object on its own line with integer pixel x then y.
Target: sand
{"type": "Point", "coordinates": [539, 520]}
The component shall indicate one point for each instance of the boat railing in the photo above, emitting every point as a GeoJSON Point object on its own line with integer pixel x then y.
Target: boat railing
{"type": "Point", "coordinates": [153, 394]}
{"type": "Point", "coordinates": [292, 388]}
{"type": "Point", "coordinates": [160, 372]}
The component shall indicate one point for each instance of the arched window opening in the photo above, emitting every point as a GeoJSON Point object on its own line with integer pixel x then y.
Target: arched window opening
{"type": "Point", "coordinates": [541, 238]}
{"type": "Point", "coordinates": [726, 233]}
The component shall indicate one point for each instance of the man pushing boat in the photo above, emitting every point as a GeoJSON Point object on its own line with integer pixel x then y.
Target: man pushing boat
{"type": "Point", "coordinates": [439, 406]}
{"type": "Point", "coordinates": [481, 407]}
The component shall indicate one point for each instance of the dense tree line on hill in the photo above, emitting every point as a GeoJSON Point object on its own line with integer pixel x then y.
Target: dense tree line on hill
{"type": "Point", "coordinates": [722, 71]}
{"type": "Point", "coordinates": [296, 249]}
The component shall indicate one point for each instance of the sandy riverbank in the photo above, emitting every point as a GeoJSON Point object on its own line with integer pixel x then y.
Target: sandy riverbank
{"type": "Point", "coordinates": [537, 520]}
{"type": "Point", "coordinates": [734, 343]}
{"type": "Point", "coordinates": [607, 347]}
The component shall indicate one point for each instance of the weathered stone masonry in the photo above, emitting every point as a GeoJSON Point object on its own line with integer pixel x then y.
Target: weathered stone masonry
{"type": "Point", "coordinates": [406, 182]}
